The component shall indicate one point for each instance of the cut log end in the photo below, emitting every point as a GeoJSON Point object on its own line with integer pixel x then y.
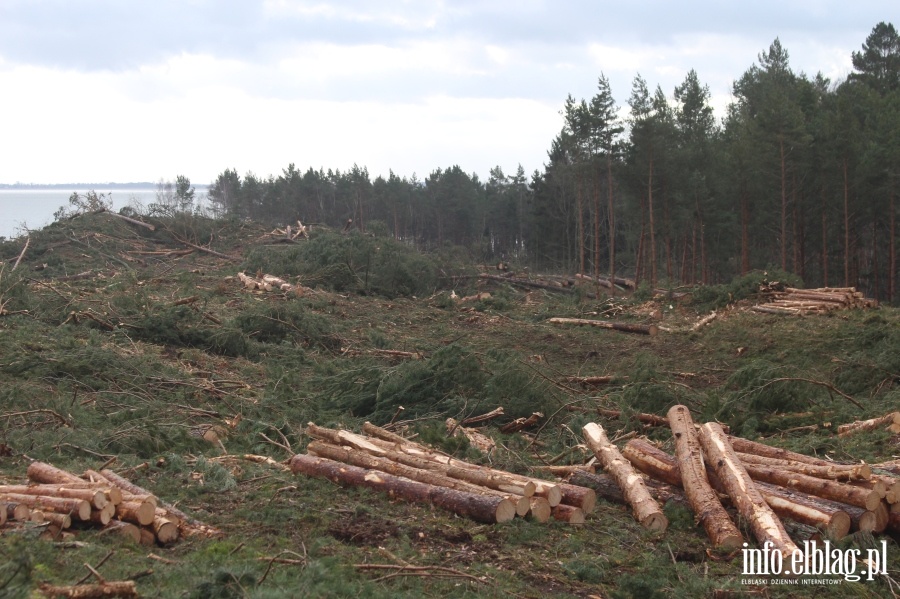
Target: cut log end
{"type": "Point", "coordinates": [540, 509]}
{"type": "Point", "coordinates": [657, 522]}
{"type": "Point", "coordinates": [568, 513]}
{"type": "Point", "coordinates": [506, 511]}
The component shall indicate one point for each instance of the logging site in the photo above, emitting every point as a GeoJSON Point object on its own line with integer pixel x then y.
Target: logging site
{"type": "Point", "coordinates": [207, 408]}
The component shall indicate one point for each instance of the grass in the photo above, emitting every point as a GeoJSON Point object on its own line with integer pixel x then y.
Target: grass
{"type": "Point", "coordinates": [265, 364]}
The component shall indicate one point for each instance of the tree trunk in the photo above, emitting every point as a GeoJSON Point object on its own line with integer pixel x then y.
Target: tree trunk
{"type": "Point", "coordinates": [643, 329]}
{"type": "Point", "coordinates": [703, 499]}
{"type": "Point", "coordinates": [824, 240]}
{"type": "Point", "coordinates": [612, 224]}
{"type": "Point", "coordinates": [579, 215]}
{"type": "Point", "coordinates": [892, 274]}
{"type": "Point", "coordinates": [783, 205]}
{"type": "Point", "coordinates": [41, 472]}
{"type": "Point", "coordinates": [482, 508]}
{"type": "Point", "coordinates": [646, 510]}
{"type": "Point", "coordinates": [846, 224]}
{"type": "Point", "coordinates": [766, 526]}
{"type": "Point", "coordinates": [652, 223]}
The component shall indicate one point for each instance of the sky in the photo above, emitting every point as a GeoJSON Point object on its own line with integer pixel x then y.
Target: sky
{"type": "Point", "coordinates": [125, 91]}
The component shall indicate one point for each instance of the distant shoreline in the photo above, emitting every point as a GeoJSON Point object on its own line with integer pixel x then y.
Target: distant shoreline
{"type": "Point", "coordinates": [52, 186]}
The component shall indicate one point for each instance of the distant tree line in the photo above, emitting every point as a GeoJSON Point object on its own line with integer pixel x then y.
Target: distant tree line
{"type": "Point", "coordinates": [800, 175]}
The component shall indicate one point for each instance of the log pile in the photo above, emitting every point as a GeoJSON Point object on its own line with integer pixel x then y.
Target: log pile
{"type": "Point", "coordinates": [713, 471]}
{"type": "Point", "coordinates": [385, 462]}
{"type": "Point", "coordinates": [814, 301]}
{"type": "Point", "coordinates": [270, 283]}
{"type": "Point", "coordinates": [63, 501]}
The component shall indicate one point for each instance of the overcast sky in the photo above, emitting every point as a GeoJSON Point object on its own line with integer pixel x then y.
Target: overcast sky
{"type": "Point", "coordinates": [114, 90]}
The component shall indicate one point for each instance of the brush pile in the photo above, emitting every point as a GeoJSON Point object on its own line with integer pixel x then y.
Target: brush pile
{"type": "Point", "coordinates": [63, 501]}
{"type": "Point", "coordinates": [386, 462]}
{"type": "Point", "coordinates": [712, 471]}
{"type": "Point", "coordinates": [812, 301]}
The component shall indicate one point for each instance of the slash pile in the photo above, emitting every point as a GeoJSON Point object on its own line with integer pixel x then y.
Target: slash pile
{"type": "Point", "coordinates": [99, 499]}
{"type": "Point", "coordinates": [814, 301]}
{"type": "Point", "coordinates": [383, 461]}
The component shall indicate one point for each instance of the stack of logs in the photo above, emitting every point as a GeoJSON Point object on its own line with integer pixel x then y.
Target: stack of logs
{"type": "Point", "coordinates": [61, 500]}
{"type": "Point", "coordinates": [814, 301]}
{"type": "Point", "coordinates": [269, 283]}
{"type": "Point", "coordinates": [381, 460]}
{"type": "Point", "coordinates": [712, 470]}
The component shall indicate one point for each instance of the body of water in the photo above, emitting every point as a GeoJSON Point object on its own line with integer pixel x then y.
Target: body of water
{"type": "Point", "coordinates": [22, 210]}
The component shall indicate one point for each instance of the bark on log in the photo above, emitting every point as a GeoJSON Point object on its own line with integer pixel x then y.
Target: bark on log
{"type": "Point", "coordinates": [123, 588]}
{"type": "Point", "coordinates": [584, 498]}
{"type": "Point", "coordinates": [703, 499]}
{"type": "Point", "coordinates": [856, 472]}
{"type": "Point", "coordinates": [495, 413]}
{"type": "Point", "coordinates": [520, 424]}
{"type": "Point", "coordinates": [138, 512]}
{"type": "Point", "coordinates": [651, 419]}
{"type": "Point", "coordinates": [481, 508]}
{"type": "Point", "coordinates": [4, 516]}
{"type": "Point", "coordinates": [105, 515]}
{"type": "Point", "coordinates": [62, 521]}
{"type": "Point", "coordinates": [77, 507]}
{"type": "Point", "coordinates": [128, 219]}
{"type": "Point", "coordinates": [646, 510]}
{"type": "Point", "coordinates": [361, 459]}
{"type": "Point", "coordinates": [95, 497]}
{"type": "Point", "coordinates": [41, 472]}
{"type": "Point", "coordinates": [744, 494]}
{"type": "Point", "coordinates": [828, 489]}
{"type": "Point", "coordinates": [746, 446]}
{"type": "Point", "coordinates": [624, 327]}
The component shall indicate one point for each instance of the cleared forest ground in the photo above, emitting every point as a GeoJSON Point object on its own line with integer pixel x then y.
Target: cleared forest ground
{"type": "Point", "coordinates": [134, 349]}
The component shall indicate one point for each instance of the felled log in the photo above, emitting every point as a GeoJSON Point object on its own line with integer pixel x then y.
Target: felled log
{"type": "Point", "coordinates": [137, 512]}
{"type": "Point", "coordinates": [828, 489]}
{"type": "Point", "coordinates": [763, 522]}
{"type": "Point", "coordinates": [703, 499]}
{"type": "Point", "coordinates": [482, 508]}
{"type": "Point", "coordinates": [856, 472]}
{"type": "Point", "coordinates": [520, 424]}
{"type": "Point", "coordinates": [646, 510]}
{"type": "Point", "coordinates": [41, 472]}
{"type": "Point", "coordinates": [361, 459]}
{"type": "Point", "coordinates": [165, 530]}
{"type": "Point", "coordinates": [105, 589]}
{"type": "Point", "coordinates": [480, 441]}
{"type": "Point", "coordinates": [79, 508]}
{"type": "Point", "coordinates": [539, 509]}
{"type": "Point", "coordinates": [125, 529]}
{"type": "Point", "coordinates": [746, 446]}
{"type": "Point", "coordinates": [128, 219]}
{"type": "Point", "coordinates": [624, 327]}
{"type": "Point", "coordinates": [495, 413]}
{"type": "Point", "coordinates": [890, 421]}
{"type": "Point", "coordinates": [568, 513]}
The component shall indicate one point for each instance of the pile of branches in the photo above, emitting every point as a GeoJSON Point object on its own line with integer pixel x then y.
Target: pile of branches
{"type": "Point", "coordinates": [712, 471]}
{"type": "Point", "coordinates": [63, 502]}
{"type": "Point", "coordinates": [381, 460]}
{"type": "Point", "coordinates": [813, 301]}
